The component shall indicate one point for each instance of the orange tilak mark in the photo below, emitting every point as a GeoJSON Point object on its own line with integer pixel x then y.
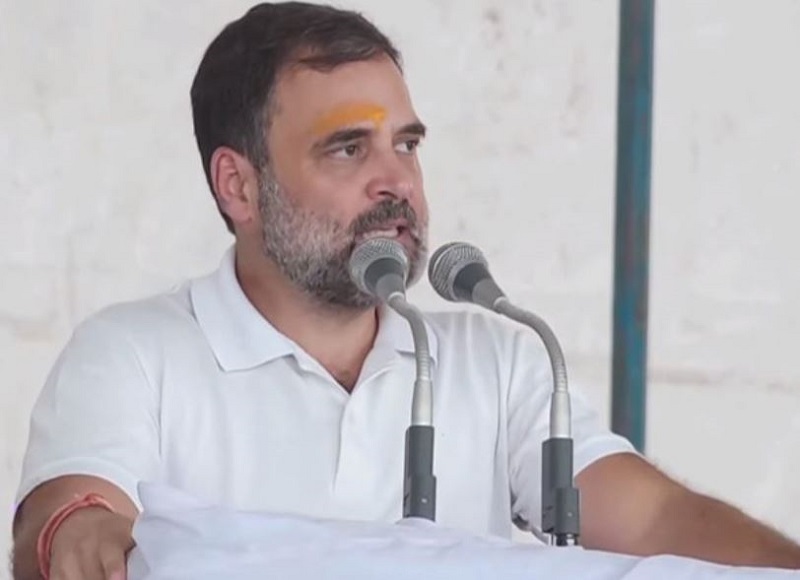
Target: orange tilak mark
{"type": "Point", "coordinates": [349, 115]}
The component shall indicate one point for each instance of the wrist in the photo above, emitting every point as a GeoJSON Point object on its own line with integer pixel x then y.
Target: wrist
{"type": "Point", "coordinates": [44, 543]}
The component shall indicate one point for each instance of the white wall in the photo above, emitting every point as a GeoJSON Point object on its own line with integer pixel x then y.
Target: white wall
{"type": "Point", "coordinates": [103, 198]}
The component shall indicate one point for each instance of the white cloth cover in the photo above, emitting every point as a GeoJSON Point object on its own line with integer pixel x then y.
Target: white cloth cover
{"type": "Point", "coordinates": [181, 538]}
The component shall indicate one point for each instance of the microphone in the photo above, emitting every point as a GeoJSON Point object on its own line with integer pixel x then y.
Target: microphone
{"type": "Point", "coordinates": [460, 273]}
{"type": "Point", "coordinates": [379, 267]}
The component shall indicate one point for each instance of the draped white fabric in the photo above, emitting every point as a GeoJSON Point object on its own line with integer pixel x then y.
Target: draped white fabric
{"type": "Point", "coordinates": [181, 538]}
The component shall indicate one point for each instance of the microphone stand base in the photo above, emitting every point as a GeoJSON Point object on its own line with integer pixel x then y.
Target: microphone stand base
{"type": "Point", "coordinates": [419, 491]}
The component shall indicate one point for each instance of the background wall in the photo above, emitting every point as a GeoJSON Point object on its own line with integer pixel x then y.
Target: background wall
{"type": "Point", "coordinates": [103, 196]}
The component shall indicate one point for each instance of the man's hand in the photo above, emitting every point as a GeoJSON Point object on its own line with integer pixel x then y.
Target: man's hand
{"type": "Point", "coordinates": [629, 506]}
{"type": "Point", "coordinates": [91, 544]}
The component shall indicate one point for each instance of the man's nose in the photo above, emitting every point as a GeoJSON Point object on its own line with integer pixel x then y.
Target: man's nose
{"type": "Point", "coordinates": [393, 177]}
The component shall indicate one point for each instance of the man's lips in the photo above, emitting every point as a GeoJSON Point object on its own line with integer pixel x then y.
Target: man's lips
{"type": "Point", "coordinates": [393, 230]}
{"type": "Point", "coordinates": [398, 231]}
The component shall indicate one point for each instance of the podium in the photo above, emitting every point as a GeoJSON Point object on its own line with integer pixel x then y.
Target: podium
{"type": "Point", "coordinates": [179, 537]}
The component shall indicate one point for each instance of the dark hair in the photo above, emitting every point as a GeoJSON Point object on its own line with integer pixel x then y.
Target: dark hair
{"type": "Point", "coordinates": [232, 89]}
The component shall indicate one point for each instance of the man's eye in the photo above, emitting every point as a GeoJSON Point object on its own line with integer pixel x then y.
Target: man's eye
{"type": "Point", "coordinates": [347, 151]}
{"type": "Point", "coordinates": [408, 146]}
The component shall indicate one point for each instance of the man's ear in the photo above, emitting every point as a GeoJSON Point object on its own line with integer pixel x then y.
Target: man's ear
{"type": "Point", "coordinates": [235, 182]}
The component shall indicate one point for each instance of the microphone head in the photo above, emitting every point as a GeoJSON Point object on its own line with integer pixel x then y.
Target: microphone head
{"type": "Point", "coordinates": [455, 269]}
{"type": "Point", "coordinates": [376, 259]}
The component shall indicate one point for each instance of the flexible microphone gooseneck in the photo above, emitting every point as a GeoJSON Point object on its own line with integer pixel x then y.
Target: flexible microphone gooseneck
{"type": "Point", "coordinates": [460, 273]}
{"type": "Point", "coordinates": [379, 267]}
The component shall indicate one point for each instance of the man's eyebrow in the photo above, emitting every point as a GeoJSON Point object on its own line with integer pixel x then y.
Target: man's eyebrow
{"type": "Point", "coordinates": [416, 128]}
{"type": "Point", "coordinates": [342, 136]}
{"type": "Point", "coordinates": [353, 134]}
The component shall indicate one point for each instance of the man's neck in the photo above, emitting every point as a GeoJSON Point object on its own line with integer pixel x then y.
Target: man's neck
{"type": "Point", "coordinates": [339, 339]}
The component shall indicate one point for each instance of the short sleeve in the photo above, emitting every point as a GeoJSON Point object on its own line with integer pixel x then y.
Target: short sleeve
{"type": "Point", "coordinates": [97, 414]}
{"type": "Point", "coordinates": [528, 427]}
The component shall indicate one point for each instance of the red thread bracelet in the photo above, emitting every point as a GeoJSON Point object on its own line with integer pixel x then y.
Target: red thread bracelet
{"type": "Point", "coordinates": [44, 543]}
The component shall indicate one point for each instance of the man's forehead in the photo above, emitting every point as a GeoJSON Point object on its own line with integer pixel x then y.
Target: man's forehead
{"type": "Point", "coordinates": [361, 91]}
{"type": "Point", "coordinates": [347, 114]}
{"type": "Point", "coordinates": [380, 65]}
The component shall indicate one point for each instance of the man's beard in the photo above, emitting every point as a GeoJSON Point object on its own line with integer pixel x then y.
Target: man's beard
{"type": "Point", "coordinates": [313, 250]}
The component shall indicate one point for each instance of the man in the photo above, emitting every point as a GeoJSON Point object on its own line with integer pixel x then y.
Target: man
{"type": "Point", "coordinates": [274, 384]}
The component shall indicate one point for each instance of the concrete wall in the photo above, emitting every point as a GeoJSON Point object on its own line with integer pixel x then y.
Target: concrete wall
{"type": "Point", "coordinates": [103, 197]}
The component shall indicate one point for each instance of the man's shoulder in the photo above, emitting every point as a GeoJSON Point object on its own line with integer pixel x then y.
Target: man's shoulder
{"type": "Point", "coordinates": [472, 327]}
{"type": "Point", "coordinates": [158, 314]}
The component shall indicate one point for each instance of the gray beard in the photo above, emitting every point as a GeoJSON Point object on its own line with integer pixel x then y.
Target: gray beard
{"type": "Point", "coordinates": [313, 251]}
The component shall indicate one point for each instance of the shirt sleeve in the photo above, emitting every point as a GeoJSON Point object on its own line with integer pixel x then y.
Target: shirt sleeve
{"type": "Point", "coordinates": [97, 414]}
{"type": "Point", "coordinates": [529, 426]}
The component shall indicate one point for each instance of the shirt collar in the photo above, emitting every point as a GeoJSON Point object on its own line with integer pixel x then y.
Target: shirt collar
{"type": "Point", "coordinates": [241, 338]}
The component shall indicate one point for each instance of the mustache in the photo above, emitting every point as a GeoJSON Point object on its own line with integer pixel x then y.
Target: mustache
{"type": "Point", "coordinates": [384, 213]}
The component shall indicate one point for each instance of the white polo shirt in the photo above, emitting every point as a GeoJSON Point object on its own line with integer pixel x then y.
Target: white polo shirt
{"type": "Point", "coordinates": [197, 390]}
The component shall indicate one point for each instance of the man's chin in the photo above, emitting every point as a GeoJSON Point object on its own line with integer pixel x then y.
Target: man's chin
{"type": "Point", "coordinates": [356, 307]}
{"type": "Point", "coordinates": [418, 264]}
{"type": "Point", "coordinates": [353, 300]}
